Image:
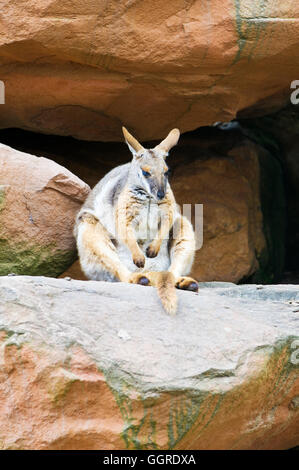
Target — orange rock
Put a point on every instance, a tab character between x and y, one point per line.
57	415
38	203
82	70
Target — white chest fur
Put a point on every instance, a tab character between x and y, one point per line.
146	223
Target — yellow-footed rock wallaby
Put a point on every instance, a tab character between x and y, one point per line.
130	229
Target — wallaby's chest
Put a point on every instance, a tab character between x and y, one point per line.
147	221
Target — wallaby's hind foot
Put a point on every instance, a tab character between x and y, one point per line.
139	278
186	283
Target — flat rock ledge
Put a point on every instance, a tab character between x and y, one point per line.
94	365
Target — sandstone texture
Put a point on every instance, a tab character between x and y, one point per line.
84	68
38	203
86	365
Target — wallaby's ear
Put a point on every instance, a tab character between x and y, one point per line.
133	143
170	141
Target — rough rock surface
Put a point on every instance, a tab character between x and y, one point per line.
38	203
89	365
83	68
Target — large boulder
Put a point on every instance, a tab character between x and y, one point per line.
82	68
91	365
38	203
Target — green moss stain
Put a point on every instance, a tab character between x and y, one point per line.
12	338
60	386
153	431
271	386
33	260
138	433
284	367
249	26
195	411
141	413
141	432
8	333
183	414
2	198
138	413
239	27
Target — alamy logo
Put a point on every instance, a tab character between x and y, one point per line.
2	92
295	94
295	354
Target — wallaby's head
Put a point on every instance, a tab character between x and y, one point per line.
148	168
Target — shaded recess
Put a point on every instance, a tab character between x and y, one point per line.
279	132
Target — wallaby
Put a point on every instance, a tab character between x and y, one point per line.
130	229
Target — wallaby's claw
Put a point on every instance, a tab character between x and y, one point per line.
140	261
151	252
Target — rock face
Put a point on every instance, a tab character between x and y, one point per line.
88	365
82	69
38	203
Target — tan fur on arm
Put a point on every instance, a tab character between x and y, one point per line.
126	211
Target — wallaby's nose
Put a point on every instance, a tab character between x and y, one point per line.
160	194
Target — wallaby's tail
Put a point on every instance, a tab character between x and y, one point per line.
165	284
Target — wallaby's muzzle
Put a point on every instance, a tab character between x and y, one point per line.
160	194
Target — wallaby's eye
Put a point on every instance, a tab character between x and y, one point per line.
146	173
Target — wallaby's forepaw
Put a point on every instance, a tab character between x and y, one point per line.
139	278
139	260
187	283
152	251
